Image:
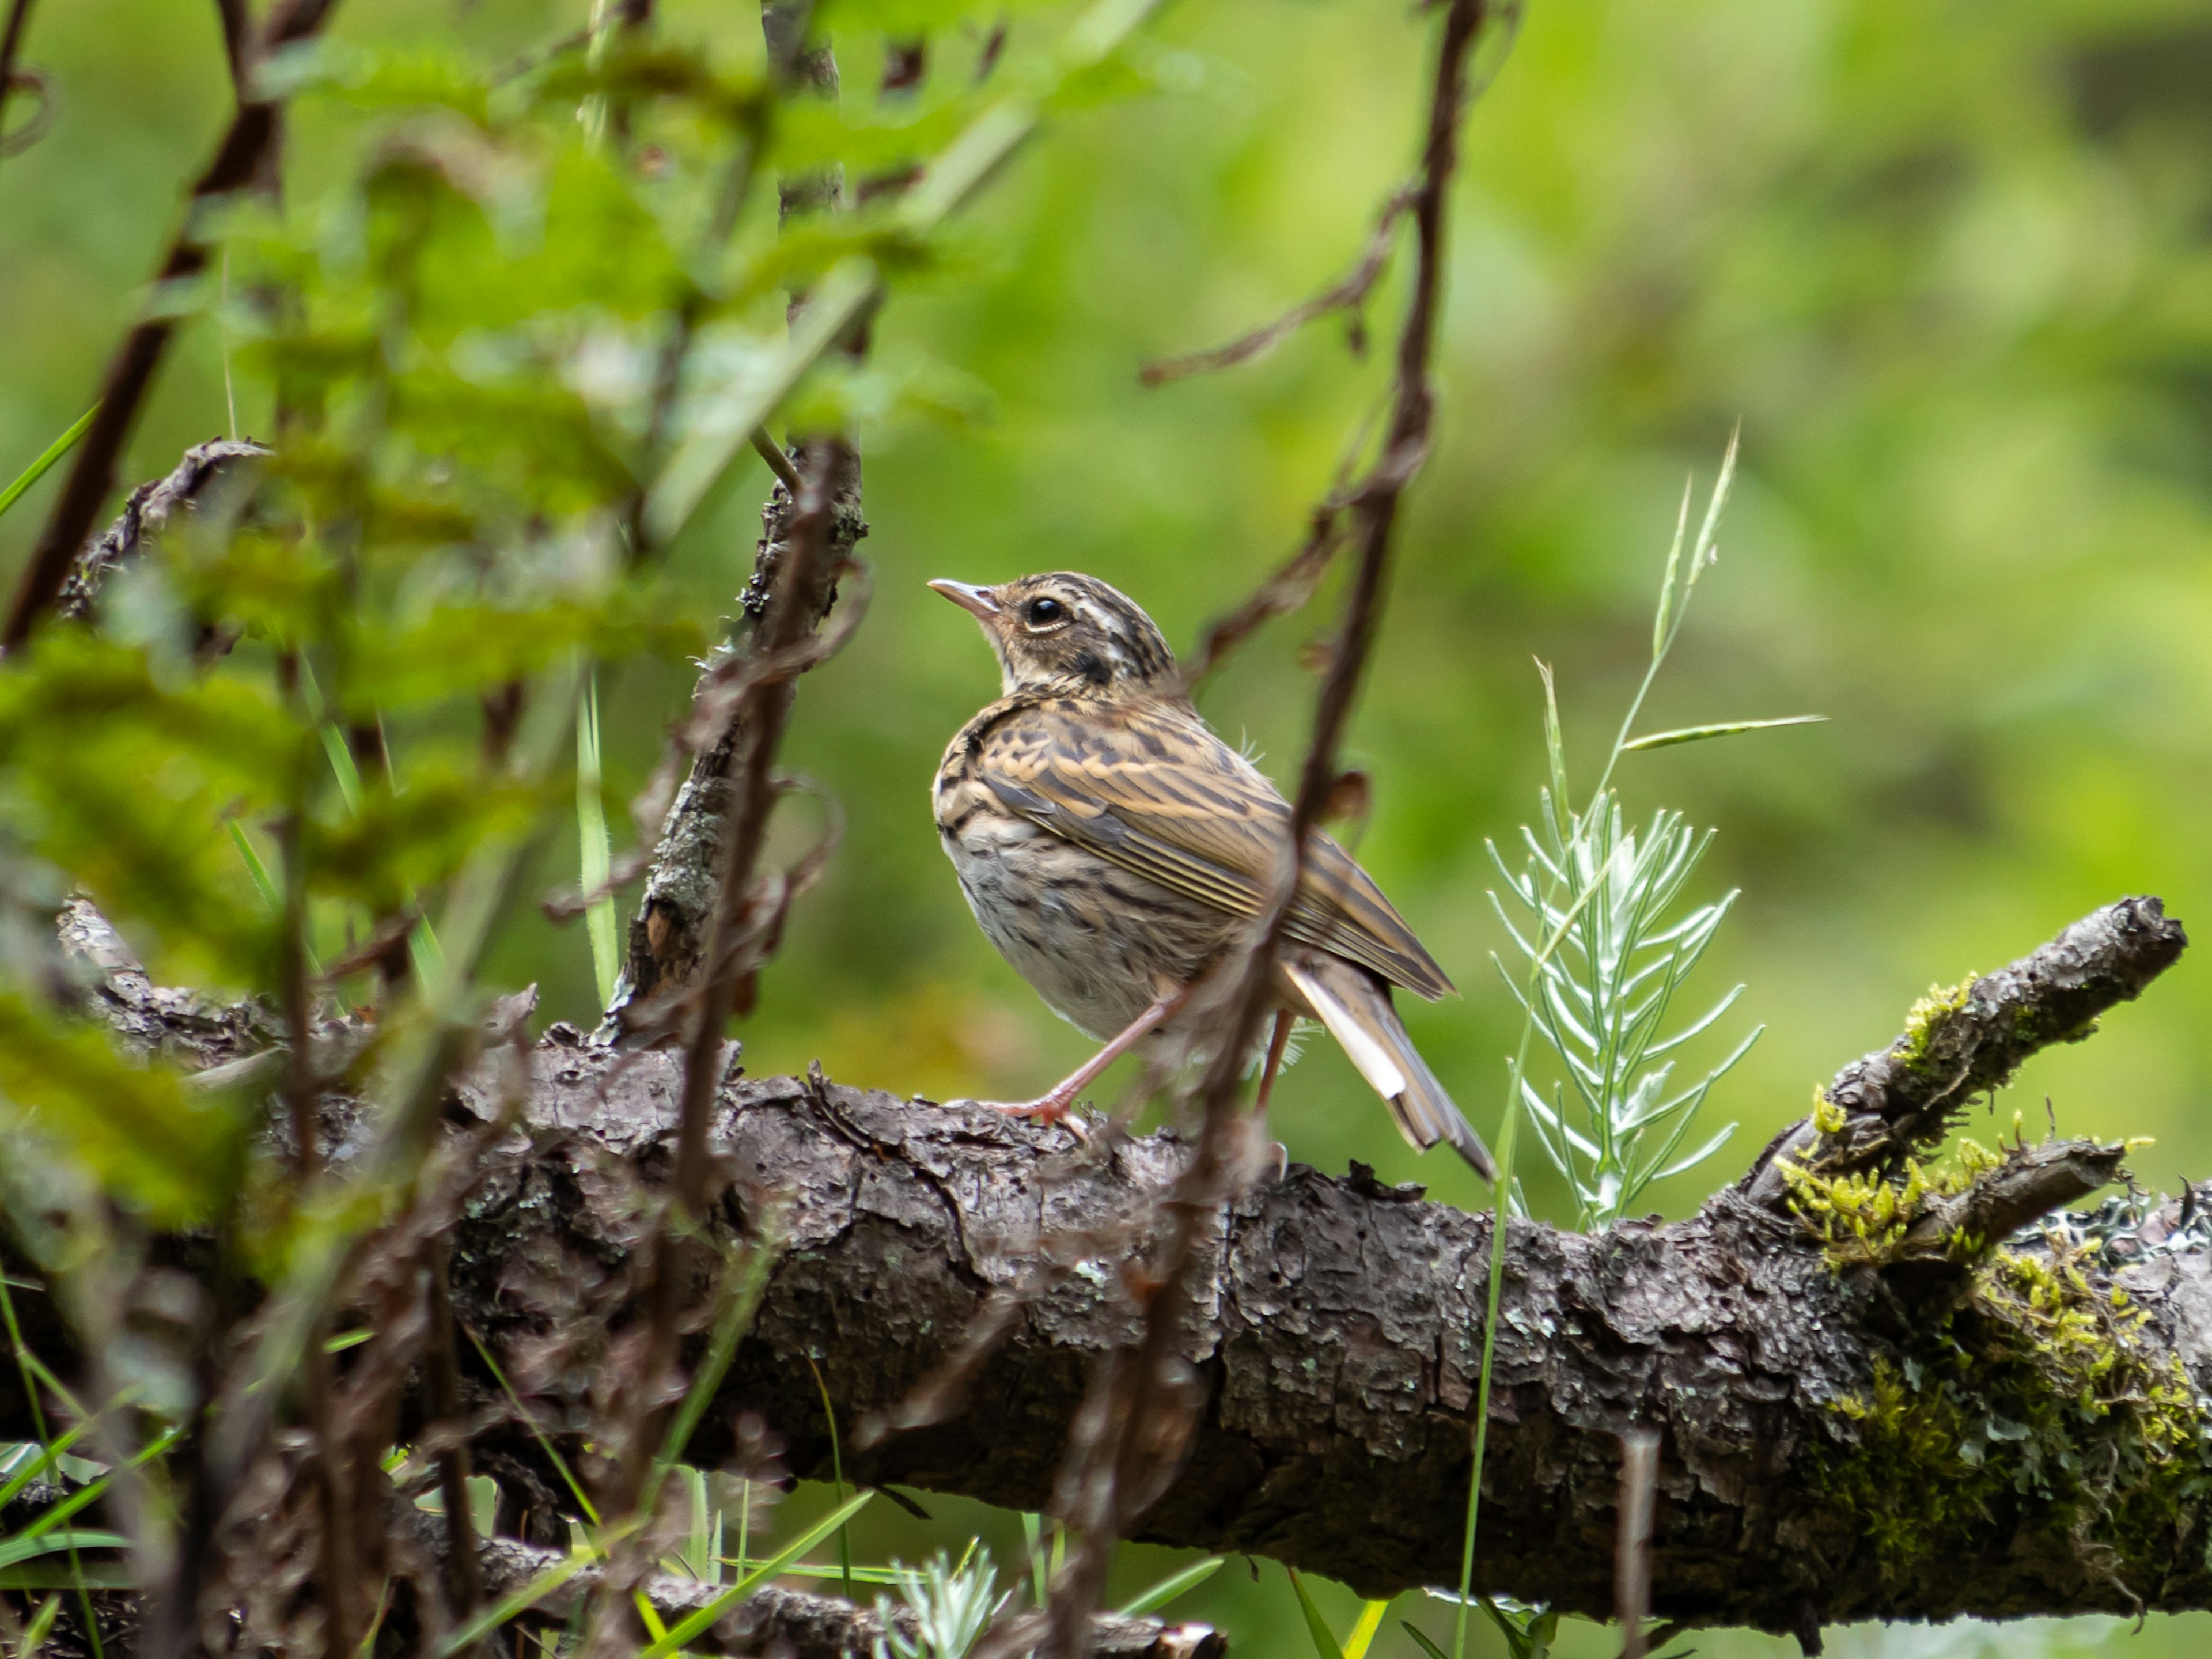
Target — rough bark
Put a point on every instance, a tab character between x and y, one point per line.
668	935
1872	1439
149	512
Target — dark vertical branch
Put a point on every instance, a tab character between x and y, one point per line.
303	1097
443	1374
11	46
1149	1400
237	31
247	149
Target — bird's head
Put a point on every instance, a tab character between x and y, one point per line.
1069	634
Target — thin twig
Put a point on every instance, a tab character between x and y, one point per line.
1349	293
442	1372
759	720
11	43
246	149
1149	1400
237	32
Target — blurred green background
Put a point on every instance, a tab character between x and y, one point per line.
1949	264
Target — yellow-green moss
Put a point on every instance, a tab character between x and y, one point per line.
1926	1019
2040	1404
1862	1219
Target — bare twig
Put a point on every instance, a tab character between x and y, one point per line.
237	32
1144	1405
463	1580
1349	294
246	149
11	43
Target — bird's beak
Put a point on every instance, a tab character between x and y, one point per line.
969	597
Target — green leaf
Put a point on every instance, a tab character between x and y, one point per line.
54	451
1421	1641
1175	1584
1727	729
704	1617
173	1154
1325	1645
13	1550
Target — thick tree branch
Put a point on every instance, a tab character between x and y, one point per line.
1834	1443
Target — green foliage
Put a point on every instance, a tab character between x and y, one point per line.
1604	957
952	1604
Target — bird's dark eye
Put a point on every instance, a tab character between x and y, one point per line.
1042	613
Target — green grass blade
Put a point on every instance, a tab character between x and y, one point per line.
13	1550
544	1442
1316	1626
595	846
58	1575
1725	729
517	1602
1033	1536
838	1470
1425	1645
1362	1633
1175	1584
38	468
262	880
704	1618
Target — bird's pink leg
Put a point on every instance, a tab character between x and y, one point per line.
1055	1104
1276	1045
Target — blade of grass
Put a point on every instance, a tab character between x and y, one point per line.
38	468
704	1618
745	1279
544	1442
595	848
838	1469
1316	1626
22	1548
27	1367
1168	1588
1726	729
1362	1633
1422	1642
520	1600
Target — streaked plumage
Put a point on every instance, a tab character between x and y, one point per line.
1110	845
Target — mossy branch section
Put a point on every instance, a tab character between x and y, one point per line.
1967	1041
1828	1453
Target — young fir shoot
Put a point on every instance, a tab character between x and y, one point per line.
1580	874
952	1604
1603	997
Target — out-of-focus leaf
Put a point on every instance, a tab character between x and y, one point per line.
171	1153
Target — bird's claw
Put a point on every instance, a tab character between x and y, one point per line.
1046	1108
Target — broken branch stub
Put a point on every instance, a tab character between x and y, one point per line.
1967	1042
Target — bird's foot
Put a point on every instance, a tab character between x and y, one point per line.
1045	1108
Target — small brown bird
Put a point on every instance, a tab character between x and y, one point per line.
1111	846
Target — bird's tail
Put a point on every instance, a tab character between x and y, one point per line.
1355	1005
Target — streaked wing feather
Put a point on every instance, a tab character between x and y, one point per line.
1152	789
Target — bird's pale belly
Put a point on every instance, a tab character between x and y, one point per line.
1098	943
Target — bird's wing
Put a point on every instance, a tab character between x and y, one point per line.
1150	788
